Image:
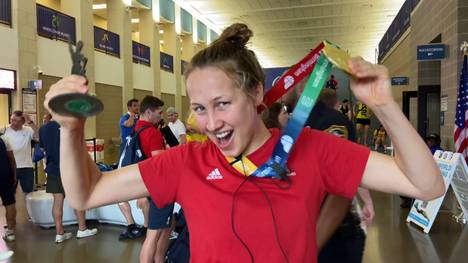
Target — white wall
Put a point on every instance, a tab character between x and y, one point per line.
168	83
53	57
143	77
9	48
108	69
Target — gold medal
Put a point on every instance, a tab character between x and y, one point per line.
337	56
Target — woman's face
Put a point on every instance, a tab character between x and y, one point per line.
283	116
226	114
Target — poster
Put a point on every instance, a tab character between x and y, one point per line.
29	101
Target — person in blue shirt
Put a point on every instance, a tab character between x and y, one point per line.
433	141
128	120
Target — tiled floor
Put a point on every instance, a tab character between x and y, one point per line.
390	240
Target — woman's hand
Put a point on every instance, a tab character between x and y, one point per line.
370	83
70	84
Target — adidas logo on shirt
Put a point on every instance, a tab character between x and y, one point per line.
214	175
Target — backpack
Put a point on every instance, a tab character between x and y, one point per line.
132	153
179	249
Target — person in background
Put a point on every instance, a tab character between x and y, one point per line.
7	187
159	219
49	140
380	138
128	120
362	114
339	222
276	116
193	132
331	83
46	118
20	138
433	142
344	108
177	127
127	123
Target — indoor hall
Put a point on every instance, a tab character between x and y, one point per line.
140	48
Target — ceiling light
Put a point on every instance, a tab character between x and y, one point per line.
161	31
135	20
161	42
99	6
127	2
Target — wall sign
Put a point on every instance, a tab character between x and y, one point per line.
431	52
55	25
141	54
106	41
167	62
397	81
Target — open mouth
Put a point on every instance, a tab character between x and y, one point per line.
223	138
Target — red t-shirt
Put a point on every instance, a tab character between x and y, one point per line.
198	177
151	138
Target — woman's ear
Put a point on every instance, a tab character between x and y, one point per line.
259	95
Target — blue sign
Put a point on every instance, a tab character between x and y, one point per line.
271	76
167	62
396	81
141	54
5	12
183	66
431	52
107	42
55	25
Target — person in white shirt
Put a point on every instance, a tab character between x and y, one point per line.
20	138
176	126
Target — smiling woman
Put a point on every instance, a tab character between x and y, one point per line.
232	216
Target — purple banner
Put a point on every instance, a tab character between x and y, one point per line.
55	25
5	12
399	25
271	76
141	54
106	41
167	62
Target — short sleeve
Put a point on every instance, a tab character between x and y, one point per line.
7	143
155	141
161	175
181	129
341	163
123	119
30	133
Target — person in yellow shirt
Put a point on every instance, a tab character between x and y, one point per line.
193	132
380	138
362	113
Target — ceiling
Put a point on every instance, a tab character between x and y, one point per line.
285	30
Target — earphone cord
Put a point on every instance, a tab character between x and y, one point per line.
239	158
233	227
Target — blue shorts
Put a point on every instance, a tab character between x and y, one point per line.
159	218
26	179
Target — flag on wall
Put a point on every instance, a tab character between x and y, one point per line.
461	115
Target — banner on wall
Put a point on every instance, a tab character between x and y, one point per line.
30	104
396	29
106	42
5	12
455	173
141	54
55	25
272	75
167	62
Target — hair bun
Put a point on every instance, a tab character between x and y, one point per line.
238	34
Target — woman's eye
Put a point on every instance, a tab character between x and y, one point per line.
223	104
198	109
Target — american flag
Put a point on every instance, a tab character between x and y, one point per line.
461	116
